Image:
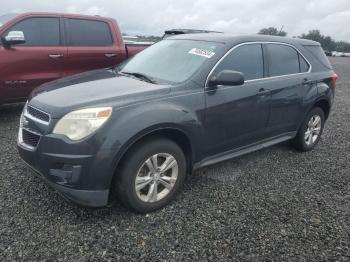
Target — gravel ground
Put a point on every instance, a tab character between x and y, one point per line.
275	204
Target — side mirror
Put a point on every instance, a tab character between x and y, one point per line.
14	38
227	78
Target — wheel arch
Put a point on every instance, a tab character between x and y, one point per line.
325	105
175	134
323	102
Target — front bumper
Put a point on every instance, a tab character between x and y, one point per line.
61	176
58	179
82	172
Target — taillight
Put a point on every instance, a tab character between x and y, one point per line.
334	80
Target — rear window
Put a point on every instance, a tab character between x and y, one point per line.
318	54
84	32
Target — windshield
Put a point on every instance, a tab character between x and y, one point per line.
5	18
171	61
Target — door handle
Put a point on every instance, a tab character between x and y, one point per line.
307	81
263	92
55	56
110	55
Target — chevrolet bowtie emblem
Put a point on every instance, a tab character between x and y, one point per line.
25	122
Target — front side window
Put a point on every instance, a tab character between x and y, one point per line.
283	60
39	31
84	32
247	59
171	61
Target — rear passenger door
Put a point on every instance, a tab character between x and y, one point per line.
90	45
287	72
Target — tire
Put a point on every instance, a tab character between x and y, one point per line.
305	143
137	167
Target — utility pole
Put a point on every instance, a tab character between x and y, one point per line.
281	30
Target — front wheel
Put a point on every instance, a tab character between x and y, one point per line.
310	131
151	175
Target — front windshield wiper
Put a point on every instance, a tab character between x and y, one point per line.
140	75
114	69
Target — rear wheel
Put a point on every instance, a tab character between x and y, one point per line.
310	131
151	175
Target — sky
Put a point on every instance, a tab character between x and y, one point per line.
153	17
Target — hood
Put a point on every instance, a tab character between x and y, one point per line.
92	89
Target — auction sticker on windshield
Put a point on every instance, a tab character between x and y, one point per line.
201	52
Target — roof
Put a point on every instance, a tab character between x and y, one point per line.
70	15
188	31
233	39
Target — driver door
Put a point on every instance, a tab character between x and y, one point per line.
26	66
237	116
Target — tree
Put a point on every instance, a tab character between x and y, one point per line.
272	31
329	43
314	35
342	46
326	42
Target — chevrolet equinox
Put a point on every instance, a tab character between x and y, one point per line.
184	103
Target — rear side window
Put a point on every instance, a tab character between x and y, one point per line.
304	66
84	32
39	31
283	60
247	59
318	54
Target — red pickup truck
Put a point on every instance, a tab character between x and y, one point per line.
40	47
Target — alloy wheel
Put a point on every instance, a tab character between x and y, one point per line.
313	130
156	177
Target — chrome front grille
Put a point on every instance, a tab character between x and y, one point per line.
27	137
30	138
37	115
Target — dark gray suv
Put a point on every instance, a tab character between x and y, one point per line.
184	103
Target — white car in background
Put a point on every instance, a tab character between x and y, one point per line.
340	54
337	54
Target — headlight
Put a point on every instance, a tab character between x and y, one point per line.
82	123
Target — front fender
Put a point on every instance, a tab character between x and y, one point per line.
131	123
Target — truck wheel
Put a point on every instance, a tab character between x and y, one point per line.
151	175
310	131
